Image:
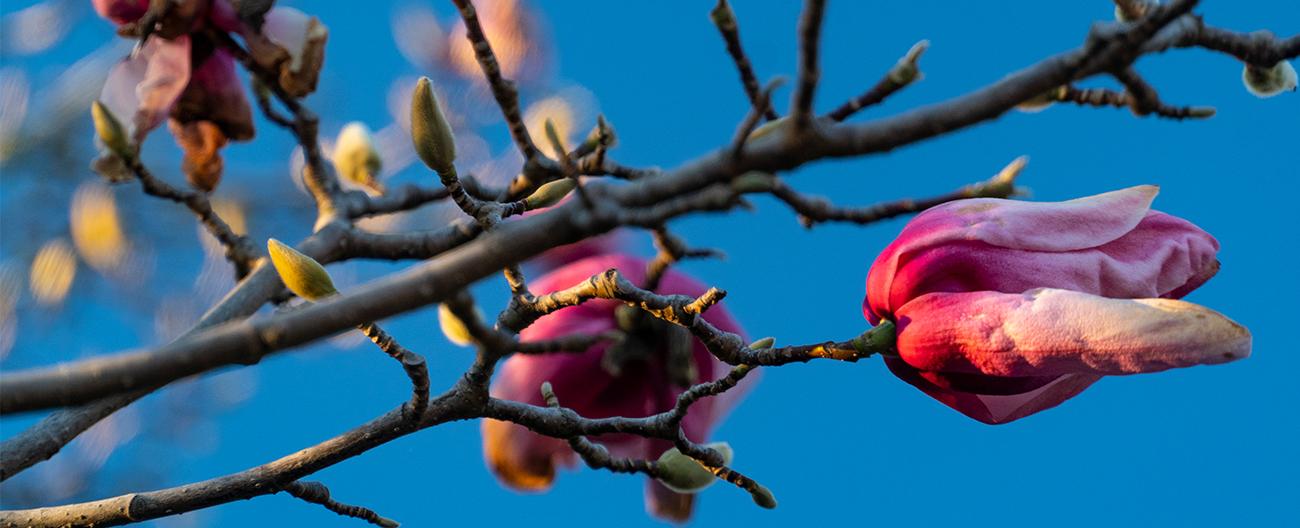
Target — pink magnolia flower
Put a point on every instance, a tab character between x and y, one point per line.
643	386
180	73
1006	308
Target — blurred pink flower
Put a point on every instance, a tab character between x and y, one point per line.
644	386
516	36
179	72
1005	308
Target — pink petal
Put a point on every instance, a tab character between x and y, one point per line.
1049	332
222	15
580	382
216	94
995	409
121	11
1040	226
523	460
141	89
1160	256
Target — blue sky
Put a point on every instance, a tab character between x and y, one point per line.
847	443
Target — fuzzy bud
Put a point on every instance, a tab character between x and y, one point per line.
550	194
906	71
110	131
430	131
765	342
684	474
300	273
1041	101
763	496
453	328
1267	82
767	128
355	156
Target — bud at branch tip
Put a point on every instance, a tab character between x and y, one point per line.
300	273
430	132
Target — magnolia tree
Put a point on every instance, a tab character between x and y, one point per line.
997	308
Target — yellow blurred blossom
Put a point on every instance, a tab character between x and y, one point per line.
96	229
52	272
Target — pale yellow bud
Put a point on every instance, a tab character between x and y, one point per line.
906	70
453	327
684	474
767	128
110	131
1041	101
430	131
550	194
300	273
1270	81
355	156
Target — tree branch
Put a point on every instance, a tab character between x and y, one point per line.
810	30
813	210
317	493
725	20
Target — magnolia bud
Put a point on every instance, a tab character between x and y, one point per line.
1267	82
430	131
763	496
110	131
767	128
553	136
550	194
1131	10
300	273
906	70
765	342
1041	101
753	182
684	474
453	327
355	156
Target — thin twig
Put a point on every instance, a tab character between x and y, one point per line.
414	365
317	493
810	28
813	210
725	20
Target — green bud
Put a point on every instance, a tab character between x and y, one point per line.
684	474
1265	82
1132	10
110	131
430	132
765	342
550	194
1001	185
767	128
753	182
763	496
553	136
1041	101
723	16
906	71
601	135
300	273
